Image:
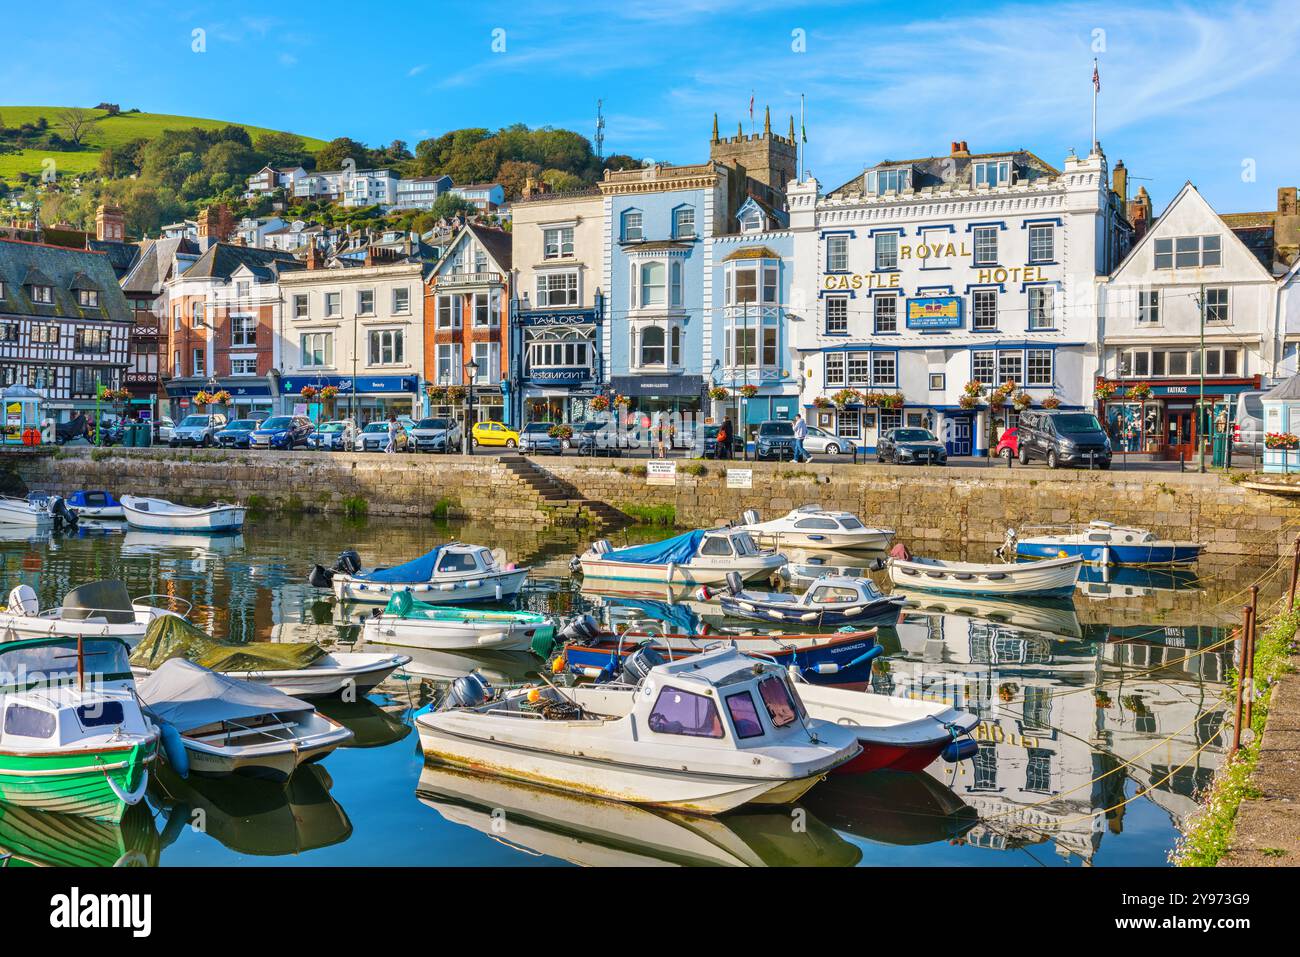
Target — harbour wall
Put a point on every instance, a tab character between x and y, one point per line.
955	507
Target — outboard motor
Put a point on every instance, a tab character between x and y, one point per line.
467	691
1007	550
349	562
320	577
637	665
583	630
23	601
64	517
735	584
749	517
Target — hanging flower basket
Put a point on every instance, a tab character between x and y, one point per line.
1052	402
203	397
1101	699
1007	691
309	392
329	393
1281	441
622	401
561	431
1022	401
998	397
748	391
974	389
719	394
821	402
846	396
891	400
1104	390
437	393
117	395
456	394
599	403
220	397
1139	391
968	401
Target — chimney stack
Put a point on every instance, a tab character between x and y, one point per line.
110	224
1119	183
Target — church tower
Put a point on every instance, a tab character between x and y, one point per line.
766	161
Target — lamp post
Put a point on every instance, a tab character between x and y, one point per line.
1200	405
467	438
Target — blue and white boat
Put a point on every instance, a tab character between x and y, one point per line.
160	515
95	504
450	573
831	600
696	558
1107	544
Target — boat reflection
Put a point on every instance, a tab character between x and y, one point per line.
598	833
891	807
1131	581
1055	617
806	565
371	724
30	838
261	818
136	544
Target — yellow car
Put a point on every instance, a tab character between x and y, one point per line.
494	433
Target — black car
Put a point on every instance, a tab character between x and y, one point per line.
599	437
774	440
236	434
910	446
1063	438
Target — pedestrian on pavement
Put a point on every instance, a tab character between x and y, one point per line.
800	433
724	439
393	428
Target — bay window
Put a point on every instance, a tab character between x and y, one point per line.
834	369
753	281
653	284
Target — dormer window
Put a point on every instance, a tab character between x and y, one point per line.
893	180
751	221
991	173
88	298
44	295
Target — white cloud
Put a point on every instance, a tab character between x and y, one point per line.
417	70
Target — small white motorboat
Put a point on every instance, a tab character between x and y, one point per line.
704	734
1104	543
295	668
815	527
160	515
1052	577
102	608
696	558
26	512
832	600
414	624
95	504
450	573
230	726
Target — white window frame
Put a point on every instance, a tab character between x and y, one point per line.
837	319
381	340
308	347
837	253
1042	307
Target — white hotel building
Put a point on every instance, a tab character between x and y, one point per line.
918	276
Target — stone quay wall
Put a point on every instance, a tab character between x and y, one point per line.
954	507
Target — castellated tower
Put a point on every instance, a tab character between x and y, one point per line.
766	161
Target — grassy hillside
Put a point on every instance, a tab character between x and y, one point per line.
109	131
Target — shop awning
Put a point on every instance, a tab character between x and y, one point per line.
678	385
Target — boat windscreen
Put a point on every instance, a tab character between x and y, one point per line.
24	665
107	599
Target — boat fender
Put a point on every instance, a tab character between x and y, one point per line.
320	577
960	750
173	746
672	566
831	667
705	593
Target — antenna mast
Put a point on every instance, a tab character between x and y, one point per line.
600	131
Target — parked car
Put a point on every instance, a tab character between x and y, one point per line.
198	429
536	437
374	438
286	432
710	448
600	437
824	443
910	446
774	440
494	434
162	429
1008	446
436	435
1062	438
236	434
339	434
1248	424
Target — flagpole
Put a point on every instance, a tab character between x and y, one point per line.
802	137
1095	85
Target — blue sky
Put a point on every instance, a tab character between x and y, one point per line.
1187	92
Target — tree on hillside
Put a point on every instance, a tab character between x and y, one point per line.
284	149
619	161
560	181
332	154
449	204
512	175
78	123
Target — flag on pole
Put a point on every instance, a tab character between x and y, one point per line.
751	105
1096	77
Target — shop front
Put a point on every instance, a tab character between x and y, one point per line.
559	361
247	399
679	397
364	399
1162	419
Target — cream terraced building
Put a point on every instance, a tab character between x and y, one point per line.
919	276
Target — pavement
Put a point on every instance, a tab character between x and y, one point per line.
1267	832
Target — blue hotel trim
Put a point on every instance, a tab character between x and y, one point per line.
1025	224
895	230
999	223
922	230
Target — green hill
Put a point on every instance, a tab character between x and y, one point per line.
109	131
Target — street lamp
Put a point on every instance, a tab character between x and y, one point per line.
467	438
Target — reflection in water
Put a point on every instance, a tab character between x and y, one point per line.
600	833
1066	694
254	817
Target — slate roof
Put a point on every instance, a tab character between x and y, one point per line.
222	259
497	242
154	265
122	255
22	263
931	171
1286	391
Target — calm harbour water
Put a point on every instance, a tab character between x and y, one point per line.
1066	695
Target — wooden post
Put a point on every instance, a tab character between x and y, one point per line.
1295	572
1250	653
1241	662
81	665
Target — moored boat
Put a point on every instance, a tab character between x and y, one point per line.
160	515
70	744
1051	577
415	624
685	743
1104	543
28	513
695	558
450	573
815	527
832	600
102	608
95	504
228	726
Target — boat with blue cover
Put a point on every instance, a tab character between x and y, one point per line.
695	558
450	573
1104	543
95	504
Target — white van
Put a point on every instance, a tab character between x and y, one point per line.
1248	424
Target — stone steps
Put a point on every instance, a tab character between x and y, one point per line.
561	500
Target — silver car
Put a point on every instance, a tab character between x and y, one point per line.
821	442
436	435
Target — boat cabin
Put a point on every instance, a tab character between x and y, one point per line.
728	544
814	518
1107	533
834	591
52	662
